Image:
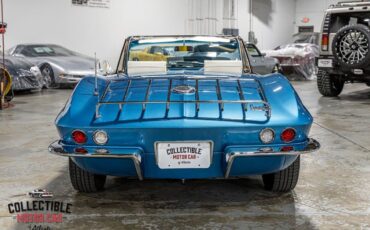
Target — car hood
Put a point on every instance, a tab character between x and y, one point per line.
17	62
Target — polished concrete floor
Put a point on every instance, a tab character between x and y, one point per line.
333	191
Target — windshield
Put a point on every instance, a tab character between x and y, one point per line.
312	38
45	51
339	20
188	53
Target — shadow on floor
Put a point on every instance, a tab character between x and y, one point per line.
132	204
361	97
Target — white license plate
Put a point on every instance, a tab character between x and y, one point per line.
326	63
181	155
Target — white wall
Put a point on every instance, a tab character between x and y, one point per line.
273	21
312	9
86	29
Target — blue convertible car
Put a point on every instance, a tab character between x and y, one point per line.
191	109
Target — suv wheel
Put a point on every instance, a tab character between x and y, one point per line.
85	181
351	46
284	180
328	84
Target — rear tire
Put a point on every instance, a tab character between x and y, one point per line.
284	180
85	181
328	85
9	97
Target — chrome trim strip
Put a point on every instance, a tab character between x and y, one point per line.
57	149
312	146
288	65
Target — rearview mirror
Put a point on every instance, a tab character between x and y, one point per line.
263	54
184	48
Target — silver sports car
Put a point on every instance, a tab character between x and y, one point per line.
58	65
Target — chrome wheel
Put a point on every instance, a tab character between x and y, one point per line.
353	47
47	77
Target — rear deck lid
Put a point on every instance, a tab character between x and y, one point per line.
211	98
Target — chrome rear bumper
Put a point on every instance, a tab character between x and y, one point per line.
312	146
56	148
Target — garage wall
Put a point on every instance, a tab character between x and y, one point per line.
86	29
273	21
312	10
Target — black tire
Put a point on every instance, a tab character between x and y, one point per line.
350	40
85	181
9	97
284	180
48	78
329	85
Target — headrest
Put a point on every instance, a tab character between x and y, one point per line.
220	66
139	67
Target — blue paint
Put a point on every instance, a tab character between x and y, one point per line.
132	131
231	133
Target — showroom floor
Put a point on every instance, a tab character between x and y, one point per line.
333	190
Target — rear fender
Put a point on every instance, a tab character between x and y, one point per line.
79	110
286	105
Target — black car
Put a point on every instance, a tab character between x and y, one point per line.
25	75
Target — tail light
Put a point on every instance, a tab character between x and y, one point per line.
81	150
267	136
288	135
325	42
100	137
79	137
287	149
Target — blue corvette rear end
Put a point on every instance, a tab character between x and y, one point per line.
184	125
